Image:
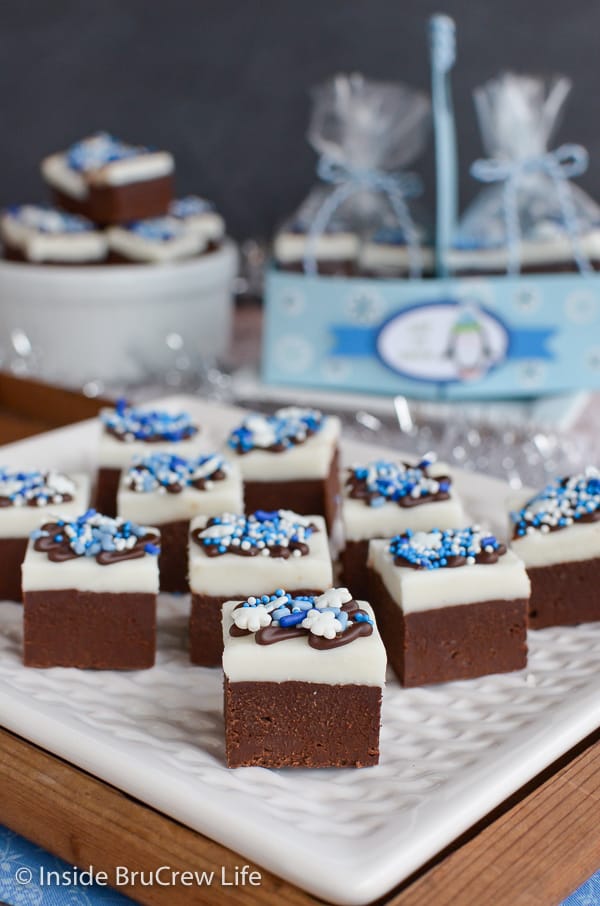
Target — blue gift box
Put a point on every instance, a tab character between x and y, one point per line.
443	337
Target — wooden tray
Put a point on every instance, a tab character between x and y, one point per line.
534	850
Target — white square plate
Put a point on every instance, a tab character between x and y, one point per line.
449	754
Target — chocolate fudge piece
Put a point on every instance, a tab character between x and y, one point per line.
159	240
28	498
385	498
312	702
450	604
557	535
266	550
129	431
542	254
109	181
289	460
89	594
43	235
200	217
386	254
335	251
167	491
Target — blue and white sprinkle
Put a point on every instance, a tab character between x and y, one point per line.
288	426
261	531
387	481
93	534
49	220
560	504
35	488
437	549
190	206
157	229
131	423
161	471
321	615
98	150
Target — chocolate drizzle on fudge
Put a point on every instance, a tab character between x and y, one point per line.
277	433
34	489
278	534
446	549
93	535
327	621
382	482
127	424
564	502
171	474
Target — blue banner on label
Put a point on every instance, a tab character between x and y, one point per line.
442	342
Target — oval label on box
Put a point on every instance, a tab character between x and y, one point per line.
443	342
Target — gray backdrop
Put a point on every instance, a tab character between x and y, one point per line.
224	83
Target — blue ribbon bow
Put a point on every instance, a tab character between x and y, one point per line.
348	180
560	165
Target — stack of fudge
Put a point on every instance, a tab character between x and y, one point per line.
113	203
246	530
340	252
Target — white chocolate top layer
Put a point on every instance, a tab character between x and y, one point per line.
364	522
361	662
291	248
379	256
20	521
533	252
158	507
310	459
184	243
580	541
37	245
234	575
416	590
85	574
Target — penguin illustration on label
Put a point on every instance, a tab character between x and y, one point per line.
468	345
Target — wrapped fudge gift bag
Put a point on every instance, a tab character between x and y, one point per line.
366	133
530	217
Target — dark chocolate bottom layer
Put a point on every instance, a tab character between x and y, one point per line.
12	554
451	643
173	557
100	630
301	725
559	267
564	594
107	205
206	625
107	486
355	574
308	496
330	268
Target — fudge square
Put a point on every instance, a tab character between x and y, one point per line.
290	459
130	431
167	491
110	182
42	235
26	500
89	594
450	604
314	701
270	550
557	535
383	499
158	240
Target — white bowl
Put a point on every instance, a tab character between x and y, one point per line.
110	322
